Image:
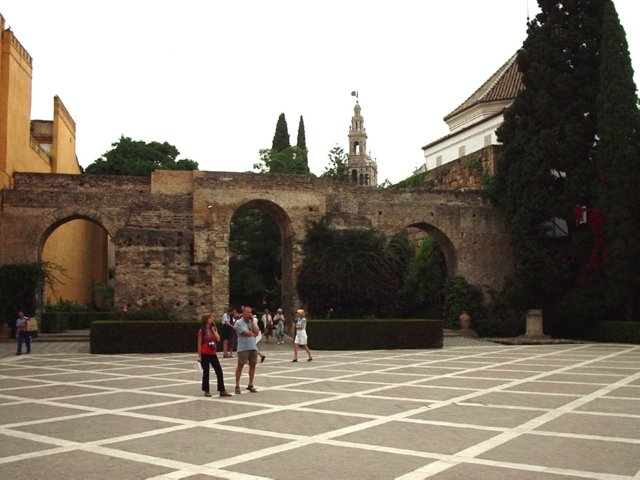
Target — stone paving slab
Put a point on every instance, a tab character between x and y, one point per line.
471	410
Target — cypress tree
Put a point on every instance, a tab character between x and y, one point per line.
572	139
302	142
617	250
281	136
547	165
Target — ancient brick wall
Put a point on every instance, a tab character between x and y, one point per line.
171	232
465	173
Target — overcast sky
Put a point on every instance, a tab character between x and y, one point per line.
212	77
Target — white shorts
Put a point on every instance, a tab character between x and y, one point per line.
301	338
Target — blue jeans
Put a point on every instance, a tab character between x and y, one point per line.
26	337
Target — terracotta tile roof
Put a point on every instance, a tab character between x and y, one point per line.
502	85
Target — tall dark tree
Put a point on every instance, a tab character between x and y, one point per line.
548	165
139	158
618	162
281	136
302	141
282	157
571	145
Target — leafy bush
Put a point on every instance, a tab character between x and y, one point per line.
460	296
350	270
617	332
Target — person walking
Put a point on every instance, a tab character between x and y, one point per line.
208	337
22	334
267	319
246	330
301	336
278	323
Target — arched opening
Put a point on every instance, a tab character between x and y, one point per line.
81	254
356	148
260	257
433	261
354	176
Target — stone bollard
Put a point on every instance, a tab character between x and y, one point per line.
535	324
465	325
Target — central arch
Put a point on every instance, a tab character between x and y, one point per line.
284	225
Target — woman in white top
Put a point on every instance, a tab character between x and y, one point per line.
301	336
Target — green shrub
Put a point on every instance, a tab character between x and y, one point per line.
460	296
366	334
615	332
139	336
54	322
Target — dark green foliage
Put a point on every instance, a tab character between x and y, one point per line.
616	332
424	279
414	181
139	158
255	265
504	317
281	136
54	322
618	162
571	138
337	168
282	157
302	141
361	334
109	337
460	296
19	284
349	270
290	160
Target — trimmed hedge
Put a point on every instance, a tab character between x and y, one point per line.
54	322
139	336
378	334
614	332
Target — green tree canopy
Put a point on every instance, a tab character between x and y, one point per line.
350	270
425	277
290	160
337	168
281	136
139	158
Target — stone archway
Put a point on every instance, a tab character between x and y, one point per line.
443	241
80	253
219	237
283	224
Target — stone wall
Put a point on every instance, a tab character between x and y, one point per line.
465	173
171	232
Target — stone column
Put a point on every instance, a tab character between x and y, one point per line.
535	324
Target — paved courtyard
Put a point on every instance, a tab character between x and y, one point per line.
470	410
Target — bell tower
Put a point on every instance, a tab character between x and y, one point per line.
363	171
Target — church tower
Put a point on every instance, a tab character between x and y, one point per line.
362	169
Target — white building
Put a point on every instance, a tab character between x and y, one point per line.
473	124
